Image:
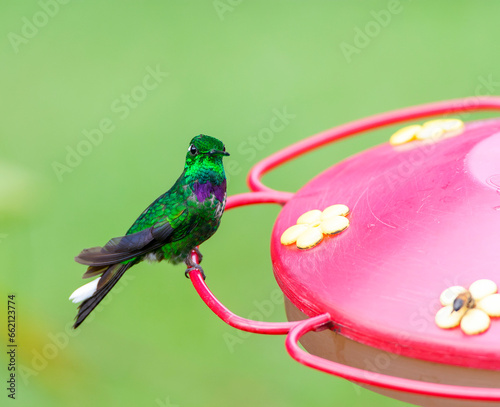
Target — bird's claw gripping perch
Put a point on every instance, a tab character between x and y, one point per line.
193	262
200	256
192	268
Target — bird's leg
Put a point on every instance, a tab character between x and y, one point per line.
193	266
200	256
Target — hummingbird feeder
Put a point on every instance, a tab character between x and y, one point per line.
389	260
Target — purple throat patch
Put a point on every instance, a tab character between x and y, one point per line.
203	191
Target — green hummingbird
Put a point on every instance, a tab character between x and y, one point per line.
169	229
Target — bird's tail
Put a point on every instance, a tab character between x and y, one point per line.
93	292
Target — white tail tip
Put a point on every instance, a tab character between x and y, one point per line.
85	291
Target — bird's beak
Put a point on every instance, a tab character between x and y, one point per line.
219	152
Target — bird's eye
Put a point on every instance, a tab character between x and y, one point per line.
193	150
224	149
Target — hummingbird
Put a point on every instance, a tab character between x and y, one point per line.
169	229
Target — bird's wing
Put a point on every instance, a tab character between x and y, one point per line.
168	229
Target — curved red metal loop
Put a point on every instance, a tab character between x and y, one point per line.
377	379
251	198
269	328
359	126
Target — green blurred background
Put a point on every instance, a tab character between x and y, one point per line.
224	68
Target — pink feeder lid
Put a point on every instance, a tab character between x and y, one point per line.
424	217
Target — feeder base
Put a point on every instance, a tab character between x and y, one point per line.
333	346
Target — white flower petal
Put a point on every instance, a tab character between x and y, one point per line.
430	132
446	318
475	321
310	237
448	296
335	210
290	235
310	217
491	305
405	134
334	225
481	288
85	291
452	127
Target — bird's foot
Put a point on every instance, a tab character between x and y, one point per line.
200	256
195	267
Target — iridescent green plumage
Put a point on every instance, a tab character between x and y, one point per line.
170	228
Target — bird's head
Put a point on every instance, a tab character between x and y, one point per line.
205	152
